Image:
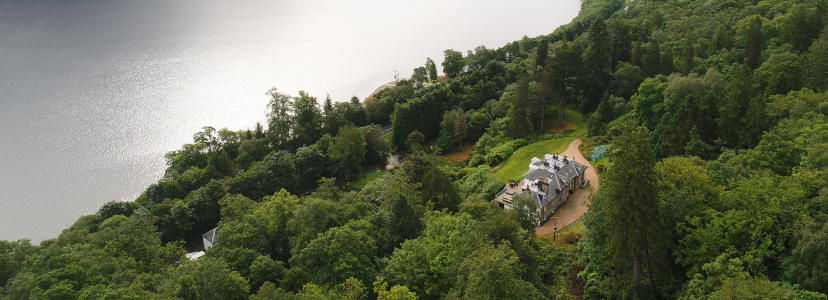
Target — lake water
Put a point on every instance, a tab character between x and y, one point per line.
94	92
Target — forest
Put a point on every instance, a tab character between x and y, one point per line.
705	119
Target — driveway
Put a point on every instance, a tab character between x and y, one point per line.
574	209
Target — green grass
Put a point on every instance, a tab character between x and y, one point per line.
518	163
578	227
364	179
572	119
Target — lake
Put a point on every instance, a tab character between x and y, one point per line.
94	92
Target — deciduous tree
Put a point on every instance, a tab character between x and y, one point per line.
453	63
349	150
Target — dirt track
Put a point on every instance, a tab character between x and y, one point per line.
576	206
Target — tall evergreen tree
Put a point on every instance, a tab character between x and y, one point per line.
541	52
432	69
666	66
733	110
816	66
652	60
631	218
721	39
330	119
656	20
461	129
753	42
636	54
620	40
598	54
565	67
544	91
798	27
754	122
675	134
687	55
520	106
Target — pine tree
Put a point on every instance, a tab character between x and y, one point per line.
598	54
259	130
753	42
734	108
636	54
652	60
657	20
685	119
620	40
816	66
520	107
754	122
721	39
542	52
631	220
797	27
544	91
687	55
461	129
697	147
432	69
330	119
666	67
565	67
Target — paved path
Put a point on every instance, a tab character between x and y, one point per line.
574	208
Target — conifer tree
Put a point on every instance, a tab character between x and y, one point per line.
620	40
753	42
636	54
461	129
687	55
652	60
598	54
520	107
816	66
542	52
631	219
734	108
565	67
432	69
721	39
666	66
330	119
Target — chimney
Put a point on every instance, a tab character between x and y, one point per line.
543	184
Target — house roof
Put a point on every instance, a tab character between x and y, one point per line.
210	236
557	170
536	174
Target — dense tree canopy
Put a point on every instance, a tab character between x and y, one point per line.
713	114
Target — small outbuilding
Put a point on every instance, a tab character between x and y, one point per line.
209	238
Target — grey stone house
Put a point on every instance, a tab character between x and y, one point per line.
549	182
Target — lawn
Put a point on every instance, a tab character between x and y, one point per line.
573	120
518	163
363	179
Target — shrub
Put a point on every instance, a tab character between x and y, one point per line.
503	151
599	152
601	167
